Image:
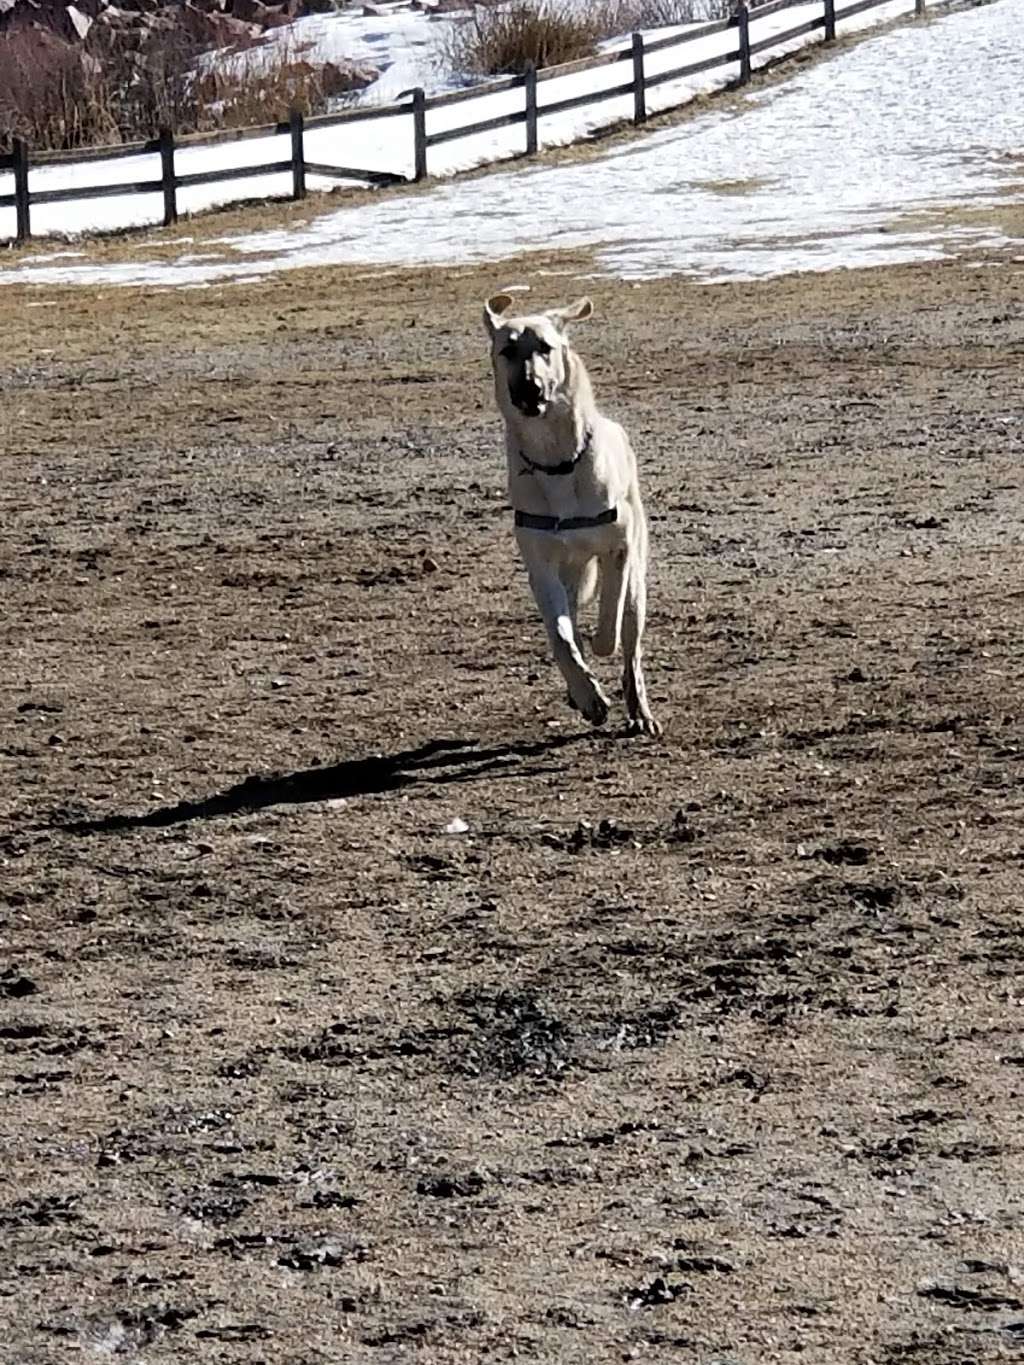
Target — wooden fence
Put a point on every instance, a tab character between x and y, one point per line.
21	160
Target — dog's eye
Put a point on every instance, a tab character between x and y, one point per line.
543	348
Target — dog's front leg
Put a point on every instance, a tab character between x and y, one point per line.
553	600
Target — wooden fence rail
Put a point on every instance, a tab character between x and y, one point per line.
531	83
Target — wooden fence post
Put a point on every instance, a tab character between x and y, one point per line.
530	84
743	26
167	176
21	199
295	124
419	133
919	9
830	21
639	80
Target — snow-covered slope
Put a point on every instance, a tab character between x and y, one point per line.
884	153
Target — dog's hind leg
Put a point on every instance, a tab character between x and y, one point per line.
605	639
590	577
633	619
572	576
576	592
555	607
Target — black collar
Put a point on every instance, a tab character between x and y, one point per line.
532	521
565	466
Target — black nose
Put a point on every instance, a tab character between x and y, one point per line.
527	392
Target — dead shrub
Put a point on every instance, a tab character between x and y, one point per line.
502	41
51	95
629	15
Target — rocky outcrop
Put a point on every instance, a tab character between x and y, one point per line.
201	24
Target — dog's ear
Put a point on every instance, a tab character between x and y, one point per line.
575	312
494	308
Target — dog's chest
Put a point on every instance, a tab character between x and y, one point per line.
563	499
558	495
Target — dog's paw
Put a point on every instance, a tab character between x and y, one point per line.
644	725
593	706
597	709
603	645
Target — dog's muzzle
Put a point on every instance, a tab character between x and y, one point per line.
527	396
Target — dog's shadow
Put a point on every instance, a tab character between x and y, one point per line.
438	762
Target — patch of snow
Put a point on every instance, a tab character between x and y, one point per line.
406	47
53	256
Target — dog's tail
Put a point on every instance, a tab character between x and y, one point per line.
589	581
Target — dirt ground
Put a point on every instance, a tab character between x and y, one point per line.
705	1049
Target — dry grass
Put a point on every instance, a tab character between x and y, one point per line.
730	188
261	88
637	14
49	95
60	98
504	40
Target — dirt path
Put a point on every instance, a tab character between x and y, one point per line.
704	1050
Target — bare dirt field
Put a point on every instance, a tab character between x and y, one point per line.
704	1050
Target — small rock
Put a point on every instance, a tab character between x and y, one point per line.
456	826
312	1254
451	1187
15	986
682	832
659	1291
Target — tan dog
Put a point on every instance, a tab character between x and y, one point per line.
572	481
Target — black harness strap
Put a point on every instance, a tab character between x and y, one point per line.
564	467
531	521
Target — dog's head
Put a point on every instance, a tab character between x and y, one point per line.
531	355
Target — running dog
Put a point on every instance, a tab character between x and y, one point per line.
572	482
